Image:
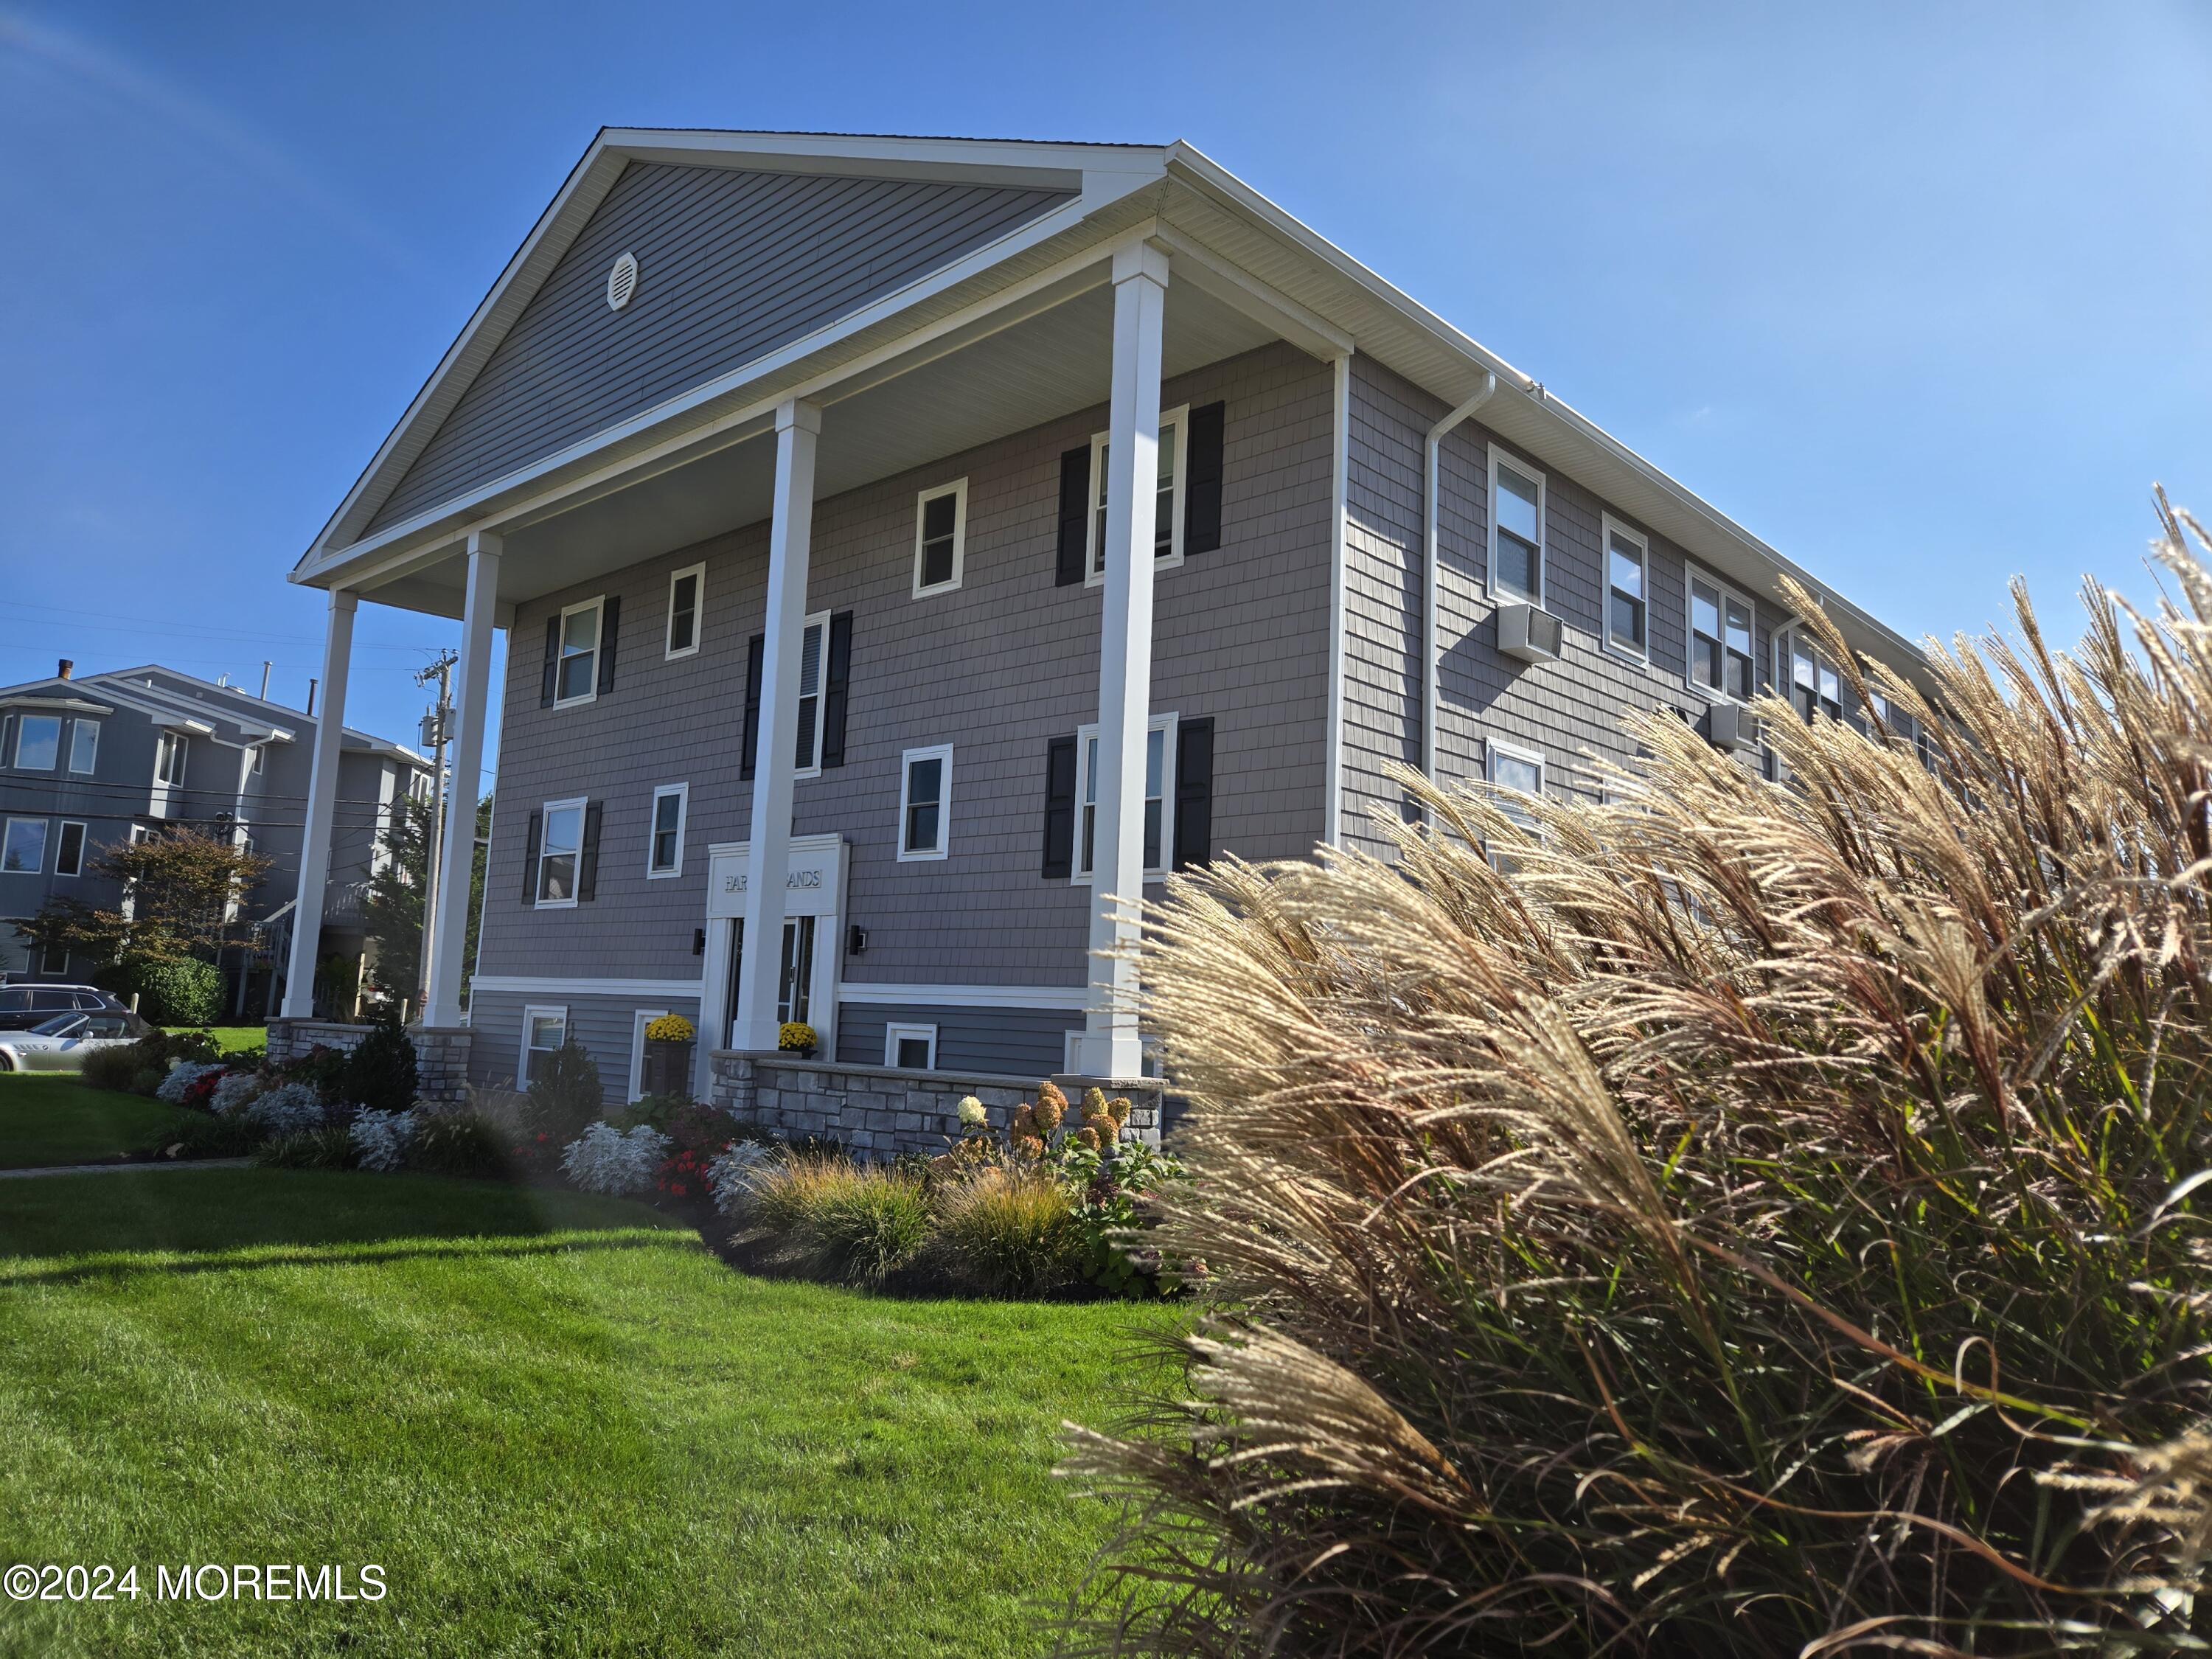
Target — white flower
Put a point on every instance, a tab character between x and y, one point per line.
604	1160
731	1176
972	1115
181	1077
380	1139
234	1091
290	1108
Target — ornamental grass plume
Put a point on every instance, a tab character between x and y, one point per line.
1732	1219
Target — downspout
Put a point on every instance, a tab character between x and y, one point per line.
1432	581
1339	512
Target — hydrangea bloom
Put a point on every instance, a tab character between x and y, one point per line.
234	1090
288	1109
181	1077
380	1139
730	1176
972	1115
605	1159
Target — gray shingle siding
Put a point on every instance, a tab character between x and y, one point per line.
734	264
997	668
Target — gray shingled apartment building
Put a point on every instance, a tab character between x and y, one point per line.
955	535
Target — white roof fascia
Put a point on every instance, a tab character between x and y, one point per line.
55	705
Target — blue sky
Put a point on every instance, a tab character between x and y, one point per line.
1916	293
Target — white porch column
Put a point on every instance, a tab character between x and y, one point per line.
449	939
322	802
798	425
1110	1046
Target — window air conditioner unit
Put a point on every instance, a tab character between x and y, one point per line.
1731	725
1530	634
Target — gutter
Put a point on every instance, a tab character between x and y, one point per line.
1433	577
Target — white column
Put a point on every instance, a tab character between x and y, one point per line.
790	531
322	802
449	939
1110	1046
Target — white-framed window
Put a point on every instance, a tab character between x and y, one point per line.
54	959
1724	658
23	846
1628	588
69	851
169	751
1806	676
84	749
38	742
687	598
1517	529
910	1048
925	803
544	1032
813	667
940	537
1514	771
576	664
1167	499
664	854
560	851
1159	797
639	1021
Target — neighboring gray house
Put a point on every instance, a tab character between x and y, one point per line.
960	483
87	762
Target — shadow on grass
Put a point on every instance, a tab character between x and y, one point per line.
123	1264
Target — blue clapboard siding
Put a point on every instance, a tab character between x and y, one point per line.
1000	1041
732	264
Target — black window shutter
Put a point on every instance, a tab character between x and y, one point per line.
530	857
754	652
1060	808
1201	509
837	676
587	861
1074	514
1194	822
610	624
552	658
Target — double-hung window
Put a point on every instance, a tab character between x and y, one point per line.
1159	797
544	1032
1167	497
940	537
687	591
1516	530
1627	580
1722	661
169	758
23	846
560	850
925	803
84	749
813	652
576	663
1808	679
38	742
1514	772
665	855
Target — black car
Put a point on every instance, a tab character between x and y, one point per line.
22	1006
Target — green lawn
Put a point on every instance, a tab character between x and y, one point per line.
558	1424
229	1039
52	1118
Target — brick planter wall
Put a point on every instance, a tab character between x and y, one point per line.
442	1052
877	1112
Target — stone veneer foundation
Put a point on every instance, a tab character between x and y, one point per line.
442	1052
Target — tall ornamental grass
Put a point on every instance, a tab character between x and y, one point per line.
1732	1219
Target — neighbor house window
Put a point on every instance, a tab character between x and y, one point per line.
1809	680
1516	530
1159	796
69	851
23	846
1721	652
576	672
925	802
38	742
910	1048
813	648
686	588
54	959
260	758
559	851
544	1032
169	758
1167	519
84	749
940	537
665	855
1628	574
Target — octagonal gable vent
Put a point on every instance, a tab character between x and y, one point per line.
622	282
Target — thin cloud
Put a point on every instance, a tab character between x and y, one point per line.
199	122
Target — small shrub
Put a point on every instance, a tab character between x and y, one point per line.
233	1091
457	1143
180	992
183	1077
205	1135
730	1176
566	1095
655	1111
326	1148
380	1074
381	1139
619	1162
836	1220
322	1068
120	1067
290	1108
1008	1232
